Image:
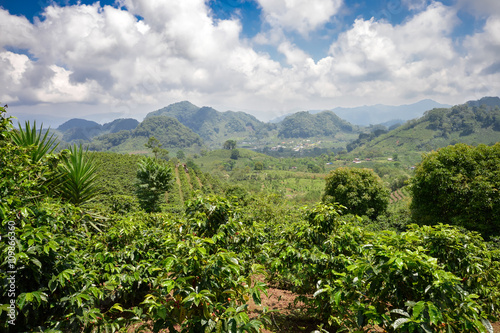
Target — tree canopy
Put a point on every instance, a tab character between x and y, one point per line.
360	190
459	185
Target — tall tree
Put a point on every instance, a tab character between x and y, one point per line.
156	146
230	144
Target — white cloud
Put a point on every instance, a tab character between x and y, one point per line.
303	16
107	58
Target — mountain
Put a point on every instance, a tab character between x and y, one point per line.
79	130
169	132
214	126
473	122
378	114
121	124
85	130
305	125
486	101
78	123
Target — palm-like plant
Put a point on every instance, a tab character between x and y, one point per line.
77	176
30	136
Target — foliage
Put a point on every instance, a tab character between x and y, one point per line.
211	125
411	282
29	136
306	125
155	146
230	144
235	154
360	190
169	132
195	268
153	180
471	123
459	185
77	176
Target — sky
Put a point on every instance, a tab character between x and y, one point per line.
114	59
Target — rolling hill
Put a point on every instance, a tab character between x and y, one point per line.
472	123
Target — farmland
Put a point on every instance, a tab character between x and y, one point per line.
229	240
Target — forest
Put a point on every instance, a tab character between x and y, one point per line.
110	242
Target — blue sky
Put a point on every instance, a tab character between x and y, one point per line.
110	59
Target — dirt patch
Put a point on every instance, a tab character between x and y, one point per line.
286	315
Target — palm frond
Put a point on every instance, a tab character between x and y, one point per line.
78	176
30	136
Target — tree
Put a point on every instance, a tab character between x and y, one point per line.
235	154
154	178
230	144
459	185
180	155
360	190
155	145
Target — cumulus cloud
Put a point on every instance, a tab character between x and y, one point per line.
106	57
302	16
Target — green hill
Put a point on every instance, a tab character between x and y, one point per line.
471	123
214	126
121	124
169	131
85	130
307	125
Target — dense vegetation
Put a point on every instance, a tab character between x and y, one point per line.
306	125
470	123
459	185
220	239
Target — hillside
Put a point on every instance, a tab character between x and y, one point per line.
471	123
169	131
307	125
85	130
214	126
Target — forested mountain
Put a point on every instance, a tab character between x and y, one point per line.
307	125
85	130
213	125
121	124
472	123
169	132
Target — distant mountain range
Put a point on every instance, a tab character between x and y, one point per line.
85	130
380	114
212	125
184	125
472	123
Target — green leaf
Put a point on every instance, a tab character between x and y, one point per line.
401	312
417	309
399	322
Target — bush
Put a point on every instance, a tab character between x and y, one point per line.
459	185
360	190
